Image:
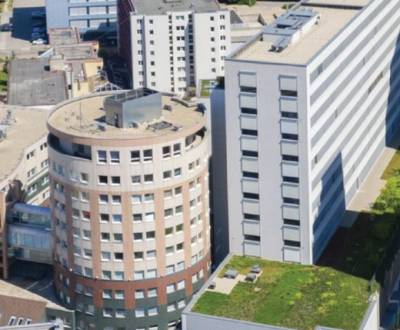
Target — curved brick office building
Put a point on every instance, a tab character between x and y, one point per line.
129	192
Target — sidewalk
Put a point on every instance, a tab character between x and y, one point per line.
370	188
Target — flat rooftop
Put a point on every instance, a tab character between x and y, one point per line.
334	16
63	36
159	7
23	128
11	290
32	84
85	118
287	295
262	10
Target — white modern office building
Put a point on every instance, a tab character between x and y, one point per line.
173	45
85	15
311	102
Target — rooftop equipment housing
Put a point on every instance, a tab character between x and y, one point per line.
133	108
289	27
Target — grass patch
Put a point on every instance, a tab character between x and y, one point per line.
290	295
3	80
206	87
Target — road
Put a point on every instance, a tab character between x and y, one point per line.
18	41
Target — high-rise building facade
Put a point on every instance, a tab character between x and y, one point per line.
311	102
172	46
86	16
129	194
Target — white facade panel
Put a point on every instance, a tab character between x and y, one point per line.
289	127
249	165
250	186
248	101
291	170
290	191
247	79
252	249
292	213
288	83
288	105
251	207
249	143
291	234
289	148
291	255
251	228
248	122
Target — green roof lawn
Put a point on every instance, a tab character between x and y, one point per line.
291	295
333	294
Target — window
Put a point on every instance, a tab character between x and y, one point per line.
138	275
252	238
106	275
149	197
147	155
105	256
117	218
151	293
120	313
84	178
290	158
105	236
115	180
148	178
249	153
135	179
149	216
137	217
151	254
291	243
169	231
178	191
288	93
178	171
103	179
151	235
166	151
246	89
251	196
248	111
116	199
137	236
179	228
252	175
118	256
170	288
101	156
118	237
103	199
293	137
135	156
168	193
139	312
249	132
104	217
167	175
169	250
139	294
287	200
107	312
152	311
168	213
136	199
107	294
253	217
177	149
114	157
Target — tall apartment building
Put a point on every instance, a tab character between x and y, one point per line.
173	45
129	187
311	102
85	15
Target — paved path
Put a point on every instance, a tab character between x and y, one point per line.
370	189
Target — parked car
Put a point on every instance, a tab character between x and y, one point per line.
7	27
38	41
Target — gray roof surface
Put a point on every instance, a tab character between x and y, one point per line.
30	84
157	7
